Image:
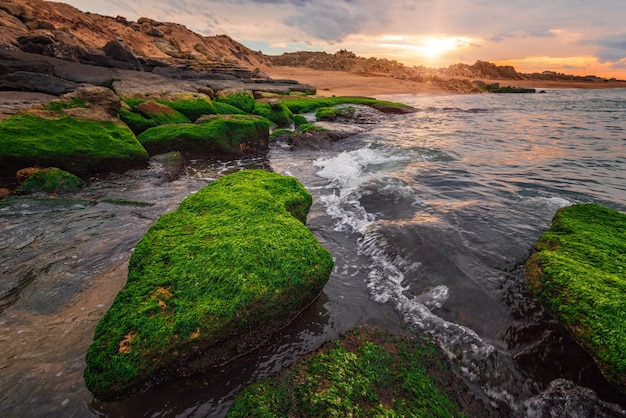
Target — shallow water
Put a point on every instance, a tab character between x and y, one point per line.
429	217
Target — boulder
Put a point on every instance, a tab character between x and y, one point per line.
80	146
578	274
120	52
50	180
209	282
240	98
160	113
36	82
216	136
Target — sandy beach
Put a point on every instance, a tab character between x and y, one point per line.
342	83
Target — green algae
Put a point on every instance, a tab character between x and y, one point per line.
192	108
241	99
161	114
50	180
218	135
136	121
365	373
579	273
299	120
311	104
208	281
227	109
276	113
80	146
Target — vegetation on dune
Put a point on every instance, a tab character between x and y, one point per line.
50	180
365	373
579	274
208	281
215	136
80	146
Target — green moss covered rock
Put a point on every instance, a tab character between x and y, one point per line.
239	98
80	146
226	109
579	273
209	281
160	113
275	112
365	373
230	136
311	104
192	105
136	121
50	180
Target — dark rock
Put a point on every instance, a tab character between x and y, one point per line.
122	53
44	83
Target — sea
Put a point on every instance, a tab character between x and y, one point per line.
429	216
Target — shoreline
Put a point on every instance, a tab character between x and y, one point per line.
343	83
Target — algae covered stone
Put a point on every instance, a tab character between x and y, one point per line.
579	273
209	281
211	137
50	180
365	373
80	146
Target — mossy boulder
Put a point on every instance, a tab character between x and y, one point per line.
209	281
160	113
192	105
239	98
80	146
311	104
227	109
50	180
365	373
217	136
579	273
276	112
136	121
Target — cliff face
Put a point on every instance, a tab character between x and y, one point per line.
62	31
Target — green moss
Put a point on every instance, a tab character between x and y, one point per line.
363	374
230	135
58	105
327	113
191	108
579	274
80	146
241	99
311	104
161	114
306	127
299	120
276	113
136	121
280	135
133	102
226	109
50	180
232	262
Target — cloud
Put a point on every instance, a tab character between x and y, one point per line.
612	47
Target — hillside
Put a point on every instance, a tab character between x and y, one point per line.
62	31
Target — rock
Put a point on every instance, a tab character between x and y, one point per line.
216	136
99	99
50	180
119	52
161	114
23	174
173	164
36	82
208	282
80	146
240	98
577	273
4	192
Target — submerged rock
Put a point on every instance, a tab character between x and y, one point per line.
579	273
50	180
208	282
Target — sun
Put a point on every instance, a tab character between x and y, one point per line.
435	47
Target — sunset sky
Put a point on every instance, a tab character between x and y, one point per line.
569	36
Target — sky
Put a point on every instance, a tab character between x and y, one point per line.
566	36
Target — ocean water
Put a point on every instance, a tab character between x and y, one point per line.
429	216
